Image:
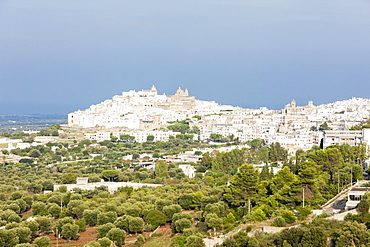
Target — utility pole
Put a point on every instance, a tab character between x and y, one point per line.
57	237
338	182
249	206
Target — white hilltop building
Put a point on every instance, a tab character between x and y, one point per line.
146	113
139	110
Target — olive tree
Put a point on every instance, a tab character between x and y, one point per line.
117	236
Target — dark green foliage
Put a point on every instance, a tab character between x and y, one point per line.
219	206
91	217
182	128
150	138
136	224
81	224
126	138
266	173
42	241
155	218
161	169
293	236
315	236
69	178
94	244
363	125
243	186
363	206
279	222
24	234
45	224
324	126
140	239
215	137
213	221
256	143
75	208
181	224
8	238
133	210
39	208
104	229
186	201
33	226
106	217
288	216
130	224
122	222
25	160
110	175
61	222
54	210
117	236
179	241
169	211
256	215
194	241
181	221
160	203
70	231
240	239
277	153
228	162
105	242
185	136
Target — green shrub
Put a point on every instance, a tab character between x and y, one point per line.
279	222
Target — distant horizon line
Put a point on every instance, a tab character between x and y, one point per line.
66	114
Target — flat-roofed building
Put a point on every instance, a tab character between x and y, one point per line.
340	137
355	195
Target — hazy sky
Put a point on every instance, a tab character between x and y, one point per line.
61	56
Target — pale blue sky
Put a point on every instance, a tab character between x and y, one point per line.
60	56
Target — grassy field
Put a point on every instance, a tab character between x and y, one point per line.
158	242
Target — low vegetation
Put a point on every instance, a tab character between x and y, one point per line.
228	191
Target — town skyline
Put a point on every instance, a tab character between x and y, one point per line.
146	113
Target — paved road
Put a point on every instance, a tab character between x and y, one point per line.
339	201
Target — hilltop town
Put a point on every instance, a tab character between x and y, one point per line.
143	169
145	113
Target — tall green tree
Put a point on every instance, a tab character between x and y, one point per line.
285	186
277	152
243	186
155	218
161	169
